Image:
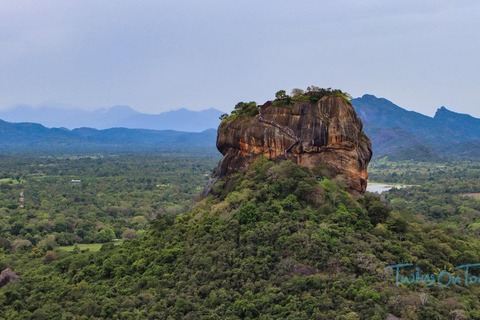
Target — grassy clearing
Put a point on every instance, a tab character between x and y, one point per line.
94	247
473	195
9	180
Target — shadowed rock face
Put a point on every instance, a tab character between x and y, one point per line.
7	276
327	133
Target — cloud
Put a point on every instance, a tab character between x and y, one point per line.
158	55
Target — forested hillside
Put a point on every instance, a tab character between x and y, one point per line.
27	138
285	243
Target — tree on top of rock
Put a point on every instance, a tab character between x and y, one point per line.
281	95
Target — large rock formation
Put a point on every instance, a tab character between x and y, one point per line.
327	132
7	276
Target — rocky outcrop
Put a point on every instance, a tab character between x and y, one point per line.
324	133
304	270
7	276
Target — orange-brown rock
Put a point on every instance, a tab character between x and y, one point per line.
327	132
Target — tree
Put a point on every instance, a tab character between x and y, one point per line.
290	202
248	214
105	235
129	234
249	108
20	244
48	243
280	95
378	212
5	244
296	92
50	256
313	89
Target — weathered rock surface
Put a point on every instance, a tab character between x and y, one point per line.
7	276
328	132
304	270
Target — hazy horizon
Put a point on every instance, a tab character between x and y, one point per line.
106	109
157	56
70	107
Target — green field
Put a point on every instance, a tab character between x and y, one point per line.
9	180
94	247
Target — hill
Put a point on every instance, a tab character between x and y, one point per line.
462	125
464	150
383	113
281	241
31	137
394	129
179	120
279	245
391	128
388	140
68	118
418	153
117	116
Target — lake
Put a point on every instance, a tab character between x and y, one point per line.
382	187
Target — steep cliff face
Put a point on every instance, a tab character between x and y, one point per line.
327	133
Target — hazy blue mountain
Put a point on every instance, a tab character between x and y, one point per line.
117	116
47	116
68	118
181	120
389	140
417	153
383	113
463	124
466	150
23	137
393	129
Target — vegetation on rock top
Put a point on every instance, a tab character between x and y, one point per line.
311	94
241	108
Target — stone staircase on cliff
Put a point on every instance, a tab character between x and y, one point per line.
287	130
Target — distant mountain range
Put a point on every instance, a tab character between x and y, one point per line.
393	129
117	116
32	137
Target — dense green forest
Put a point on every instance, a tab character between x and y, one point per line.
438	192
283	244
110	196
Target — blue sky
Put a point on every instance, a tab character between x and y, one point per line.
161	55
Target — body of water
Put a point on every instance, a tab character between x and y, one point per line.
381	187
